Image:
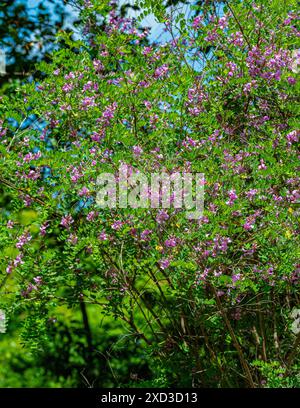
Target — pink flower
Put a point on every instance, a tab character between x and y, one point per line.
137	150
291	80
251	193
88	102
38	280
43	228
2	130
16	262
292	137
23	239
145	234
91	215
84	192
164	263
236	277
73	239
262	165
98	65
70	75
147	50
27	200
232	197
10	224
117	225
9	268
161	71
171	242
67	88
249	224
147	104
222	23
197	21
162	216
103	236
67	221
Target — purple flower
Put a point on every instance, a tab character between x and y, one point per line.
10	224
232	197
23	239
143	84
236	277
87	102
27	200
73	239
220	244
9	268
38	280
171	242
222	23
251	193
262	165
98	65
84	192
97	137
102	236
67	221
147	104
164	263
137	150
249	224
197	21
70	75
291	80
292	137
145	234
108	114
67	88
161	71
237	39
162	216
147	50
91	215
200	277
16	262
117	225
43	228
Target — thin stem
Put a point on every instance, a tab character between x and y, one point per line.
86	324
235	340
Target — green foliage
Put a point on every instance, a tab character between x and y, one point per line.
274	375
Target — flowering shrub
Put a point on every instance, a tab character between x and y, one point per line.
208	297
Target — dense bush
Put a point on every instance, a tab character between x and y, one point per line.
212	301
